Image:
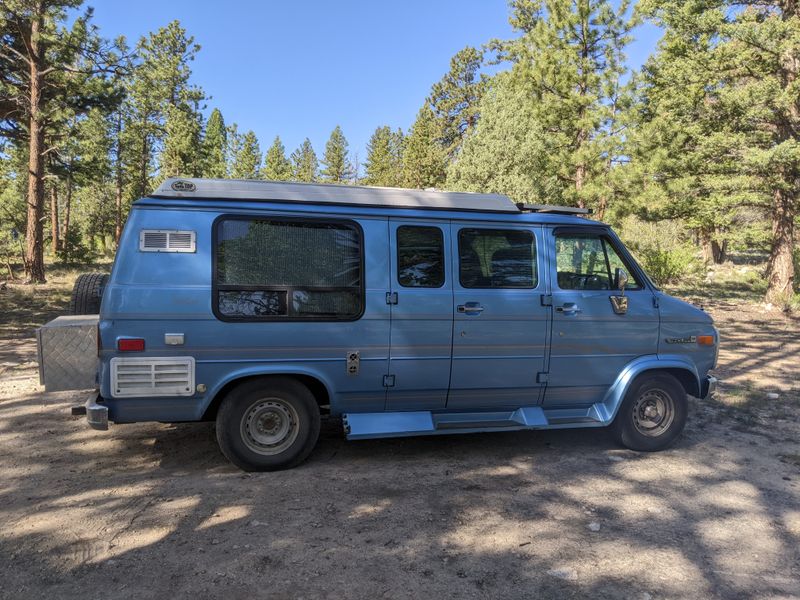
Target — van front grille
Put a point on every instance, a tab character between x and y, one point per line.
152	376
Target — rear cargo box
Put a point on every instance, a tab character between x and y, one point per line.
68	353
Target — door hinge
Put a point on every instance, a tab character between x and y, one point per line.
655	302
547	299
388	381
542	377
391	297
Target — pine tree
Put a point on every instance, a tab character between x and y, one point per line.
165	108
384	166
734	89
424	159
305	165
247	159
181	154
276	166
568	67
337	165
215	144
510	153
455	98
49	71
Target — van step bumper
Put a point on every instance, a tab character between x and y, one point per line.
359	426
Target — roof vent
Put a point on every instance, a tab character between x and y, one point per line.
166	240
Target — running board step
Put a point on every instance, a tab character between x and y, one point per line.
401	424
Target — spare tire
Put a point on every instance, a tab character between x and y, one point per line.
87	294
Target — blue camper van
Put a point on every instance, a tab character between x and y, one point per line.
264	305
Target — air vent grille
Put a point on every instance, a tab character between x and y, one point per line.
166	240
152	376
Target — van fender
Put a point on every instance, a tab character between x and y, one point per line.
257	371
649	362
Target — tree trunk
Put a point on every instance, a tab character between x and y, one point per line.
118	182
34	244
54	224
143	167
781	265
719	252
780	270
67	207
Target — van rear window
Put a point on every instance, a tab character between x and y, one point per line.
287	269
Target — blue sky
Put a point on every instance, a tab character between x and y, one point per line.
297	69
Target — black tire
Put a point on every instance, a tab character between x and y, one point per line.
251	420
653	413
87	294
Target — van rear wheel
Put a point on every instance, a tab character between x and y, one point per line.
268	424
653	413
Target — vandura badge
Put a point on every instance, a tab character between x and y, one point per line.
681	340
183	186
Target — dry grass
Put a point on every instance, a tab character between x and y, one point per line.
24	307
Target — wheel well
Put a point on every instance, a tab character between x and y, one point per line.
314	385
686	379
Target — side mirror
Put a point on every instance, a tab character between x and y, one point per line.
620	303
620	280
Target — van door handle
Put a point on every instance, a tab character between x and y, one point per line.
470	308
568	308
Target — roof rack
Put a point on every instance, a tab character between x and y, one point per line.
556	210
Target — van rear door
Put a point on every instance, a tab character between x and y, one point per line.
421	302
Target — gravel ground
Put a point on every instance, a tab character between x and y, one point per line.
154	511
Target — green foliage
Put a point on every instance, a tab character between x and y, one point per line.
215	144
276	166
305	166
164	109
664	250
246	156
509	153
384	164
559	106
720	117
337	165
74	249
454	99
424	158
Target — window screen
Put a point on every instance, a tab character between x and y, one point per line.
586	262
420	256
497	258
279	269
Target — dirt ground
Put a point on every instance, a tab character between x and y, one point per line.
155	511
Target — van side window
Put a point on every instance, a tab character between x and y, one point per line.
287	269
420	256
588	262
497	258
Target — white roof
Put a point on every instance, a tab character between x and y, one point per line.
240	189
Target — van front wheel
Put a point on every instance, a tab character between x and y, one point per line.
652	414
268	424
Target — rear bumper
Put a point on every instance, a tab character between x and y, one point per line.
709	386
96	414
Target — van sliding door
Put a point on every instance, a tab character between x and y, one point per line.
501	329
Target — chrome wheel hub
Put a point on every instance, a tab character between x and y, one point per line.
653	412
269	426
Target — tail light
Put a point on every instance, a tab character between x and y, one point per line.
130	345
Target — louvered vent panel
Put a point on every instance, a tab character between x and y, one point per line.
166	240
180	240
152	376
